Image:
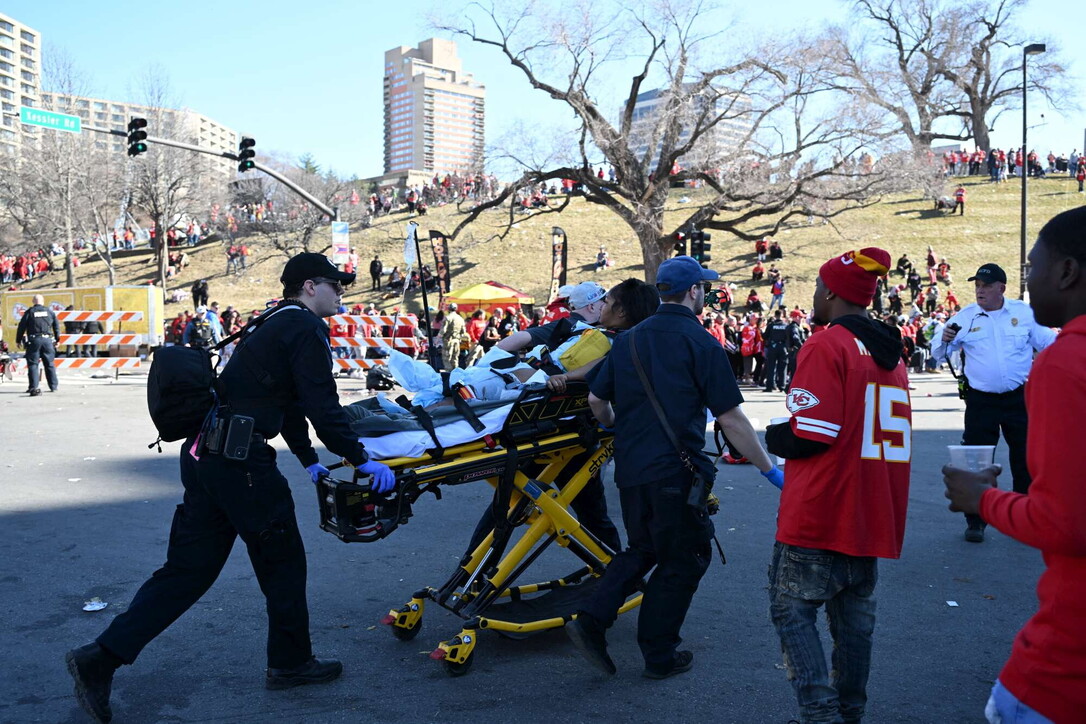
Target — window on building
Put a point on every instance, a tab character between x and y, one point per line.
100	116
28	76
28	102
99	106
5	53
82	104
4	80
27	49
7	67
28	63
5	25
116	108
27	88
28	36
117	118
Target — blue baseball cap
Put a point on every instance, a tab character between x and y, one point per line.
680	273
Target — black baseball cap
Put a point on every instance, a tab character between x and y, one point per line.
990	273
310	265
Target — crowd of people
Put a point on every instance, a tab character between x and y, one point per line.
19	268
1000	164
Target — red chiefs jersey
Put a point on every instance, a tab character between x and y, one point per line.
852	497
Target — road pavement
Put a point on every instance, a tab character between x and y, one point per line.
85	510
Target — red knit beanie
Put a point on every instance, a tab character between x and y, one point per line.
852	276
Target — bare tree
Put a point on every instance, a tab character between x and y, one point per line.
742	123
988	68
53	189
294	225
169	185
903	72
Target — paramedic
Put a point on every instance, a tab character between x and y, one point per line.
279	375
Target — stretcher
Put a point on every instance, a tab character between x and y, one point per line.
546	451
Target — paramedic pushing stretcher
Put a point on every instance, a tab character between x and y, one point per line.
688	371
279	375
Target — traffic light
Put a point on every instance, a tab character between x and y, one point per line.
700	247
680	244
246	154
137	137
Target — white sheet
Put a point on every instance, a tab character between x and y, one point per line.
414	443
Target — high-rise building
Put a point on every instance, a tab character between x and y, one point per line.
434	111
20	79
713	146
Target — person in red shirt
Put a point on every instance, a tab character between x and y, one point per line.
1046	672
846	488
959	201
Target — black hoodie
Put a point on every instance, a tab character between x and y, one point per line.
884	344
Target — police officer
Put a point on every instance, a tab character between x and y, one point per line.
776	351
687	371
998	337
38	332
279	375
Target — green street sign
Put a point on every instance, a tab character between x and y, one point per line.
48	119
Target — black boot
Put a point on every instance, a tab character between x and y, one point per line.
92	668
313	671
590	638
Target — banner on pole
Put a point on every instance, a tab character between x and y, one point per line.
341	242
440	244
558	261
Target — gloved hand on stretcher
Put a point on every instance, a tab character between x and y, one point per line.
316	470
384	479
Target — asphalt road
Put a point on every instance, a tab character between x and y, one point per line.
85	510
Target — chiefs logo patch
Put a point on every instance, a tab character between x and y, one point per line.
800	399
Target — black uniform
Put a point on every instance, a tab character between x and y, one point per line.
280	374
688	371
38	332
775	337
376	269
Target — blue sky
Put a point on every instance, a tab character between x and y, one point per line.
306	77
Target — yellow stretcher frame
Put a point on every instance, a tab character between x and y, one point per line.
536	504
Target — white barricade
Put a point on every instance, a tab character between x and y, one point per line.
97	339
76	315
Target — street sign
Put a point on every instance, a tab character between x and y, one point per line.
341	242
48	119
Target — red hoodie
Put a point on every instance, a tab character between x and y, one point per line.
1047	667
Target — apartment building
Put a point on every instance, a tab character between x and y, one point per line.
182	124
435	113
713	146
20	80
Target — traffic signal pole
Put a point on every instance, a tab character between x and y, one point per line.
330	212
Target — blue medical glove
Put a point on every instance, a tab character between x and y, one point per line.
776	476
316	470
384	479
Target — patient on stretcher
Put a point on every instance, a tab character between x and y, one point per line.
574	346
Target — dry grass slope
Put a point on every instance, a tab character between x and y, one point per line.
907	223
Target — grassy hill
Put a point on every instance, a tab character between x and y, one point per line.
988	232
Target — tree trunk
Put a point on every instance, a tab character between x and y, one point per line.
980	125
655	247
160	246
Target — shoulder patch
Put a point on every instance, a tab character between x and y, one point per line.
800	399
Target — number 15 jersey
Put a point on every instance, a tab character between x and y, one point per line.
850	498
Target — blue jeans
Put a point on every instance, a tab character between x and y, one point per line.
801	580
1004	708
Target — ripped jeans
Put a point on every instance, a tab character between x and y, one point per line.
801	580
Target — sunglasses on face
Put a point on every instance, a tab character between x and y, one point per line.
332	283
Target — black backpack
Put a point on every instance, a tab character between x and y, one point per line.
379	378
182	386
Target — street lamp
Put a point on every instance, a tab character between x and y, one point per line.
1032	49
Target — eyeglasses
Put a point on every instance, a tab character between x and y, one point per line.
337	285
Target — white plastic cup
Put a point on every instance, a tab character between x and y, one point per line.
778	421
971	457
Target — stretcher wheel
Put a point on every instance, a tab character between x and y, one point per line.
407	634
454	669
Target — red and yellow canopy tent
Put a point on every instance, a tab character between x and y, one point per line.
488	296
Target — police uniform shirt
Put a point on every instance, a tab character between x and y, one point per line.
998	345
280	375
38	321
776	333
688	370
